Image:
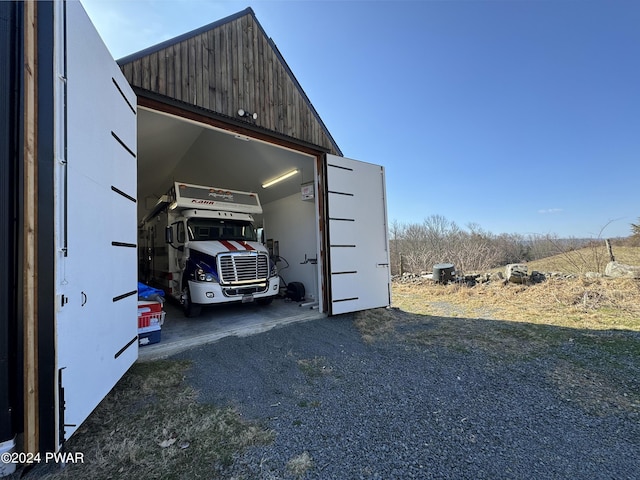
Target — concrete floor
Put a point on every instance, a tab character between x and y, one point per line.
180	333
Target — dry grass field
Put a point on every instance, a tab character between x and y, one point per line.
590	259
591	303
599	303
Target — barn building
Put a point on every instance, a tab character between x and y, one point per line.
89	145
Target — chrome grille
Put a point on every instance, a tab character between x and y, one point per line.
243	268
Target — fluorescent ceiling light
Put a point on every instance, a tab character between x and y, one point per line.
280	178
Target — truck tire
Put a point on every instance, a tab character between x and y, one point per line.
190	309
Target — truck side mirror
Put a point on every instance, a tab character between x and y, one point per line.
168	235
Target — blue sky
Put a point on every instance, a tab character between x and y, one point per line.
519	116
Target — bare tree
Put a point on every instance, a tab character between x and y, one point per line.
438	240
417	247
395	232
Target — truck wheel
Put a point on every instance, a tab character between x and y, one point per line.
264	301
190	309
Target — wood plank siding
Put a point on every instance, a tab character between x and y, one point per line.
226	66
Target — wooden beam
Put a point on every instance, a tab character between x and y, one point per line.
30	202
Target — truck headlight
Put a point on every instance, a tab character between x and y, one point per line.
203	276
274	270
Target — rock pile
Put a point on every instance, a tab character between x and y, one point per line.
620	270
518	273
513	274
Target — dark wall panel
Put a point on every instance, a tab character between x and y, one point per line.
45	229
9	156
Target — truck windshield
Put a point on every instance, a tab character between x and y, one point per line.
215	229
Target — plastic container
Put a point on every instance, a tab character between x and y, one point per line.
145	306
443	272
150	314
149	335
150	319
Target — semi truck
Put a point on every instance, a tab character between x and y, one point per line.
199	244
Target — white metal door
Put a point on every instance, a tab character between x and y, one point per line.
96	271
357	230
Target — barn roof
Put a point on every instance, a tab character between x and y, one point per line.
225	66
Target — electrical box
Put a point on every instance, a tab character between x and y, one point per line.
307	191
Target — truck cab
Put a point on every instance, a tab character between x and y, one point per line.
211	254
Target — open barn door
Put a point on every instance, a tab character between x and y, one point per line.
357	235
96	271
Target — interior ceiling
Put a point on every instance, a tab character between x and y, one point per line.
171	149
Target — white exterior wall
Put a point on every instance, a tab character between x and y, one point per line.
292	222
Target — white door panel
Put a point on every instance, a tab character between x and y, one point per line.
111	215
345	204
358	244
96	322
342	257
343	233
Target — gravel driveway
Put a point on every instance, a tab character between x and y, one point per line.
345	409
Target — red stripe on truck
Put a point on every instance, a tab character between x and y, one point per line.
246	245
230	246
